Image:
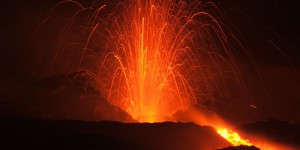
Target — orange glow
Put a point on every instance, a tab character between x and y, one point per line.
148	63
153	58
233	137
222	127
212	119
150	58
152	67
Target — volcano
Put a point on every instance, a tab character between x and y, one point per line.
149	74
74	97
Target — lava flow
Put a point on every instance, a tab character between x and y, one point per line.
233	137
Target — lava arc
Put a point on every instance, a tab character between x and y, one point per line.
158	57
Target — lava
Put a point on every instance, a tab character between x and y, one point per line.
233	137
150	63
150	60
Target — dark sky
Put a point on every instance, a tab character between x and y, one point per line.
263	21
270	28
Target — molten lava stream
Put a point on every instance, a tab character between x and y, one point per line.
233	137
262	143
224	129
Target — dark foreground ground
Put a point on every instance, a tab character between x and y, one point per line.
281	132
40	134
43	134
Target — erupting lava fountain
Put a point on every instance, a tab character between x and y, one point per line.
153	58
156	57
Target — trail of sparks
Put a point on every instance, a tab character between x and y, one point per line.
149	52
152	64
153	58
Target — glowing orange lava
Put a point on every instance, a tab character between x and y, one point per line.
233	137
151	67
151	59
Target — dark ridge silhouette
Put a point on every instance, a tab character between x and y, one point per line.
63	97
276	130
242	147
41	134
